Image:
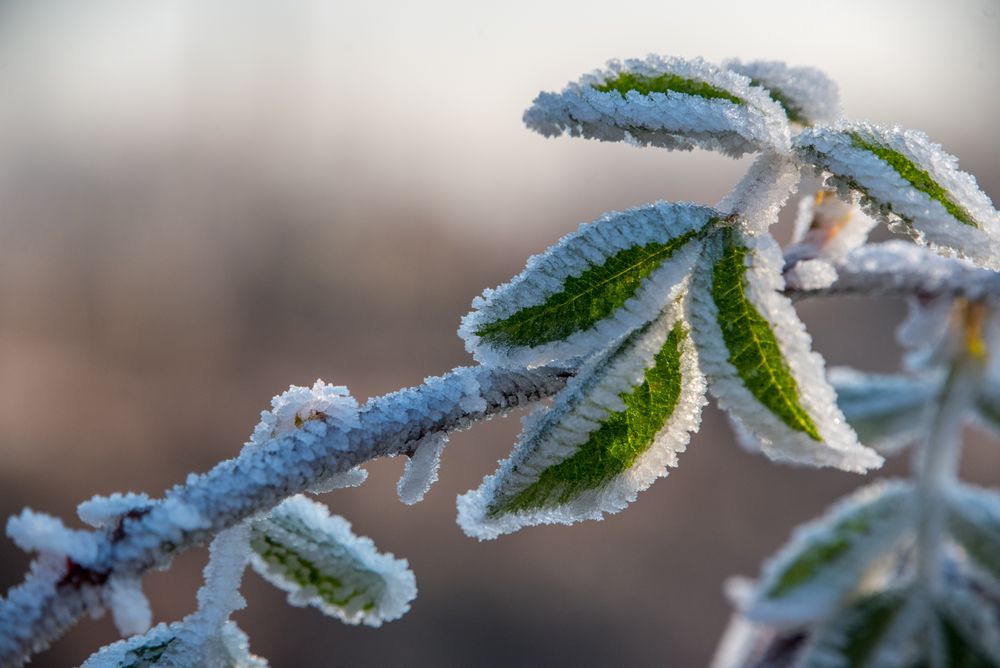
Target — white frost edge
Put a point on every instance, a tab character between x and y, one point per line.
840	447
592	244
809	88
670	120
932	223
400	584
589	398
816	599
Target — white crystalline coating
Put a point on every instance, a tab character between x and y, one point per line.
759	196
353	478
298	406
670	120
886	195
810	275
827	227
864	526
887	411
103	511
421	470
552	435
301	543
129	606
887	646
839	447
591	245
206	638
45	534
806	91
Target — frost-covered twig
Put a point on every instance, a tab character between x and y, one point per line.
60	589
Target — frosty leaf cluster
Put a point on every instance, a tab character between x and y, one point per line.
628	325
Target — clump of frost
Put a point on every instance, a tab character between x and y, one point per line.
299	405
421	469
303	550
353	478
104	511
128	605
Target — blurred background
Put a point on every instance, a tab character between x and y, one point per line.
203	201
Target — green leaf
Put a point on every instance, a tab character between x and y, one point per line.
316	558
827	559
665	83
597	284
610	433
753	348
585	299
915	176
974	523
865	634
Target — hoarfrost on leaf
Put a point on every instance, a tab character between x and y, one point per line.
615	428
303	550
806	95
595	285
666	102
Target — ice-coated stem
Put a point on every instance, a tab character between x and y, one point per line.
57	592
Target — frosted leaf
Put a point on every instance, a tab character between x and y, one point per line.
910	183
758	358
616	427
965	630
806	95
303	550
353	478
129	606
877	631
104	511
298	406
421	469
206	638
887	411
666	102
759	196
826	559
827	227
45	534
597	284
974	523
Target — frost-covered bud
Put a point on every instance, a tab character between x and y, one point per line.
421	469
909	182
667	102
45	534
297	406
104	511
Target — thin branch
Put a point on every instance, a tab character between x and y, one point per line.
57	592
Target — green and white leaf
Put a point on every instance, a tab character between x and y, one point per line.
616	427
667	102
806	95
964	632
974	523
887	411
303	550
597	284
758	358
912	184
827	559
876	631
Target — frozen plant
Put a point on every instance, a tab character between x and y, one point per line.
626	324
